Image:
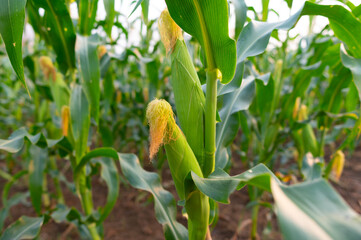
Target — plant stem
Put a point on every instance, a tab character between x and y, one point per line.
255	210
59	193
85	196
210	122
322	142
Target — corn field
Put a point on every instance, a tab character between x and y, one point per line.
210	121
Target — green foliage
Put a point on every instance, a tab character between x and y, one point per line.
342	22
286	109
12	19
24	228
59	31
208	22
86	50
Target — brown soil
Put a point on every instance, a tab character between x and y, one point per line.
133	216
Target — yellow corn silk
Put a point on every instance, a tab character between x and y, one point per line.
170	32
181	160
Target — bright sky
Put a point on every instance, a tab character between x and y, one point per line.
157	6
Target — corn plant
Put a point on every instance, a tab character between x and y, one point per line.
86	103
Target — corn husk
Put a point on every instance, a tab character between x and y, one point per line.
181	160
338	164
188	94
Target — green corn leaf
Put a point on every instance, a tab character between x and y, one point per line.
152	68
36	20
233	102
345	26
241	16
164	203
90	71
354	65
219	185
16	141
145	10
333	97
80	120
138	2
87	11
13	200
24	228
208	22
60	30
264	97
16	199
110	175
12	19
37	164
109	8
310	210
314	210
255	36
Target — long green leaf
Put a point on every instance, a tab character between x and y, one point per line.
208	22
12	19
310	210
164	204
355	66
109	8
15	199
16	142
87	11
24	228
37	166
110	175
80	120
255	36
61	32
219	185
241	16
345	26
233	102
86	50
314	210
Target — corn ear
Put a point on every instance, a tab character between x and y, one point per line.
188	94
338	164
102	50
47	67
65	115
309	138
164	131
181	160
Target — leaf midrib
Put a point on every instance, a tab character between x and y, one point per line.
62	38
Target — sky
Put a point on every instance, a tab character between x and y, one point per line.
157	6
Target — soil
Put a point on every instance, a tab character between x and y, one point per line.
133	215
